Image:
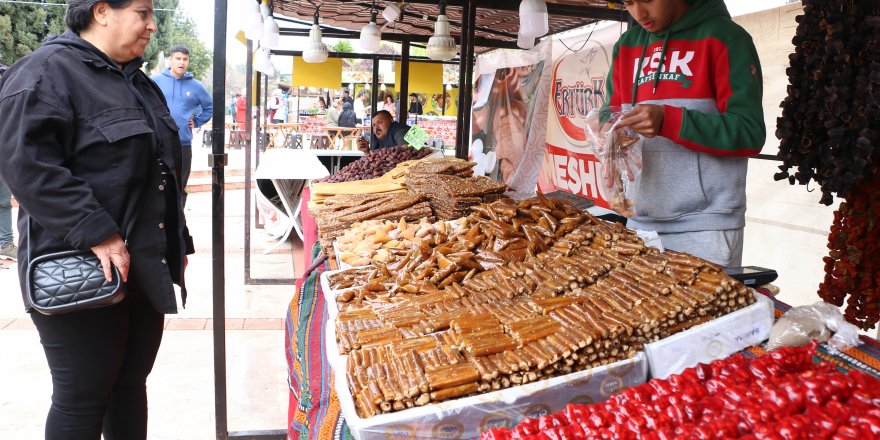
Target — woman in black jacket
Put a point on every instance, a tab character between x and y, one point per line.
86	134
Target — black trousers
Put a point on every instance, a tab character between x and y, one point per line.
186	165
100	360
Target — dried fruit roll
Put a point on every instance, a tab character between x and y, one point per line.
452	376
451	393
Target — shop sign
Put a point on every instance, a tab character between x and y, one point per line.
579	76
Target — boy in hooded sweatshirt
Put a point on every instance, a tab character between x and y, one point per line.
691	81
188	101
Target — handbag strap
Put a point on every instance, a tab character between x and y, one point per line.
133	210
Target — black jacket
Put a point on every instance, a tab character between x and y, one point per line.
77	149
347	118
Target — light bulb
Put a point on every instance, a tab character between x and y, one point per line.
371	38
271	33
533	18
253	29
391	12
316	50
441	46
382	87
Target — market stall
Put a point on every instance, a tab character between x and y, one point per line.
462	311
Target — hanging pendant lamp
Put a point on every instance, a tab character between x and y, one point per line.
442	46
316	50
371	38
533	18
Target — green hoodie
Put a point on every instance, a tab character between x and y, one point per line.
704	71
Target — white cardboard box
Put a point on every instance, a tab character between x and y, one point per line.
469	416
715	339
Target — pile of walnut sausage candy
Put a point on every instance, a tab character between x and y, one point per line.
516	292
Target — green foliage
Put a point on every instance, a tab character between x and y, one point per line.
342	46
23	28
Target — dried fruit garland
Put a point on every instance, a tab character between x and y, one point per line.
830	125
780	395
830	132
852	267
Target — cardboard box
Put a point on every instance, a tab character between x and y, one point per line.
469	416
715	339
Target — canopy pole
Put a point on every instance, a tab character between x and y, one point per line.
465	80
403	91
217	160
374	92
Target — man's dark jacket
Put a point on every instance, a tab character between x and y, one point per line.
76	148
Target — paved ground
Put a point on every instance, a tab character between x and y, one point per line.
181	388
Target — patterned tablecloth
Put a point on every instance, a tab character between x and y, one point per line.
437	128
314	410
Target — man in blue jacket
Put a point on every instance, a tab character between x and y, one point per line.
188	101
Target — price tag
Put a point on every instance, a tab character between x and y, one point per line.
416	137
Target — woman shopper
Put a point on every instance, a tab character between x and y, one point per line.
389	106
86	135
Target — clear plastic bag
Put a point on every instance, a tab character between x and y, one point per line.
619	151
820	321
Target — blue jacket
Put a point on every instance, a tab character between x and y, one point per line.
186	98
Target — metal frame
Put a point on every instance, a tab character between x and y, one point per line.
218	158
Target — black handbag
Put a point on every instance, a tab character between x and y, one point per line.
67	281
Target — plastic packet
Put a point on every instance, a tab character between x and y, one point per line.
619	151
820	321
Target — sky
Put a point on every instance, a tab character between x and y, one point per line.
202	13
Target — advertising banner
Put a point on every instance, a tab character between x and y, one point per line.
509	117
579	73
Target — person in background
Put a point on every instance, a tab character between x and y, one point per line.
333	113
697	103
276	106
385	133
347	117
346	97
189	103
232	104
321	104
360	106
389	106
240	111
8	249
86	135
415	105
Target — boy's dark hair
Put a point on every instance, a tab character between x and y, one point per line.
79	12
178	48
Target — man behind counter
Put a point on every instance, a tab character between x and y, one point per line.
385	133
697	102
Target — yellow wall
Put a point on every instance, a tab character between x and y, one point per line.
424	78
326	75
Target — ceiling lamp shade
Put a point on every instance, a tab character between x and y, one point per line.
371	38
533	18
441	46
253	29
271	33
391	12
316	50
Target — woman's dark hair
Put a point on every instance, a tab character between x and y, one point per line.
79	12
389	96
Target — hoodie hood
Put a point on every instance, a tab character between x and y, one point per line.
698	12
347	106
89	53
186	75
